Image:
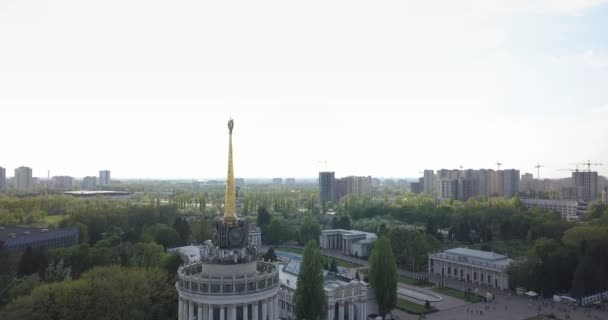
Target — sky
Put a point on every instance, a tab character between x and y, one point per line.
381	88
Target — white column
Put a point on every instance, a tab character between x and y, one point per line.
329	311
200	312
205	315
264	310
191	307
270	309
246	312
364	308
185	310
341	311
232	312
222	312
180	308
209	312
351	311
277	313
254	311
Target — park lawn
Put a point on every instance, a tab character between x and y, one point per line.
54	219
412	282
458	294
413	307
47	222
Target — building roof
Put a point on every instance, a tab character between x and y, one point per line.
476	254
92	193
10	235
192	252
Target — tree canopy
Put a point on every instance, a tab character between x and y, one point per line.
309	298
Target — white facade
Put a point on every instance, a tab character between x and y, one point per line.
349	242
346	299
473	266
247	291
568	209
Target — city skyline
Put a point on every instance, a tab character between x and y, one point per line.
386	91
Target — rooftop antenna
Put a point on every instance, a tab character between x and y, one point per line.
538	166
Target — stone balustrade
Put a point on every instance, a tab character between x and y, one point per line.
191	279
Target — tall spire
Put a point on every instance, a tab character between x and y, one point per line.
230	196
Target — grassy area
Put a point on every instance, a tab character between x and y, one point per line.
457	294
413	307
340	262
412	282
402	279
55	219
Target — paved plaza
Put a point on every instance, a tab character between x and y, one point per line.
504	306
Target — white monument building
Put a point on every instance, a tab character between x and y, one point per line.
349	242
227	283
346	298
474	266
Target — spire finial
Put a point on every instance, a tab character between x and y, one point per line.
230	197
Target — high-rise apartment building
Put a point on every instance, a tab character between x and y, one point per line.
510	182
428	184
89	183
587	181
277	181
326	186
448	188
63	182
471	183
104	178
2	179
23	179
290	181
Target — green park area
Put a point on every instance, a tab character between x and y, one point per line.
412	307
458	294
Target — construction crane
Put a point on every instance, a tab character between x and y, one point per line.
538	166
588	164
498	164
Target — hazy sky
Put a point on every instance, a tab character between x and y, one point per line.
382	88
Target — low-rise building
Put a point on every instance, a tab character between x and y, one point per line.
345	298
349	242
474	266
17	240
568	209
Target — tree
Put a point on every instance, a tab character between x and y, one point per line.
183	229
201	231
270	255
333	267
102	293
57	272
33	260
309	298
383	275
161	234
263	216
310	230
